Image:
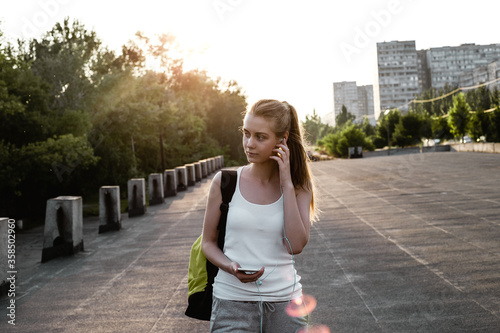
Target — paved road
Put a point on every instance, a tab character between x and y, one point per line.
405	244
408	244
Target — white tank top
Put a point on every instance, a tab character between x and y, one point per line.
254	239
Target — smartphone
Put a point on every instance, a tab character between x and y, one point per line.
278	154
248	270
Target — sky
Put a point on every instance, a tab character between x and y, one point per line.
281	49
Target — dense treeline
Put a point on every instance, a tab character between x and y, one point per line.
449	114
454	115
336	140
75	115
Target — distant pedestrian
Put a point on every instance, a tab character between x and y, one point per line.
268	223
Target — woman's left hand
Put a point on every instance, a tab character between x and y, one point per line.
282	157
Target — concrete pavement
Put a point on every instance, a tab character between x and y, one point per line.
405	243
408	244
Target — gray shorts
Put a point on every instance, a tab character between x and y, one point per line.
239	317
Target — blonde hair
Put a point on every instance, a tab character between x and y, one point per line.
283	118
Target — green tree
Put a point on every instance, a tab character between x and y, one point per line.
495	125
495	97
440	128
367	128
324	131
344	117
411	128
443	105
435	106
75	116
35	139
426	130
386	127
25	116
226	113
312	126
408	131
337	144
64	58
479	99
459	116
479	125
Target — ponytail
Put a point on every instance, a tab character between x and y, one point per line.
285	119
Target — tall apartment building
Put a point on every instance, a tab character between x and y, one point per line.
345	93
365	100
397	80
447	64
404	72
424	74
494	74
489	73
357	99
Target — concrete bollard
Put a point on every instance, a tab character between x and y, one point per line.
109	208
155	185
218	162
136	197
5	241
214	163
197	171
209	167
221	161
191	180
169	183
63	231
182	180
203	168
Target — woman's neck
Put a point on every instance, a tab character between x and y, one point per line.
264	172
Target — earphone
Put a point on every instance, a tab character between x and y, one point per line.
259	281
284	238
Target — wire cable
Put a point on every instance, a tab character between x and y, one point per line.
421	101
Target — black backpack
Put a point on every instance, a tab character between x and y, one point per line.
201	271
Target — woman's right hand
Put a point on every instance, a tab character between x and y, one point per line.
244	277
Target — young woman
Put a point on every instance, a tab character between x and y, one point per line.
267	224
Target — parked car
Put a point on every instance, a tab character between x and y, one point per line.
313	156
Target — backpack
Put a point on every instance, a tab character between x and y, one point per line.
202	272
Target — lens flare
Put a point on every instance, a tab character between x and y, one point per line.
302	306
316	329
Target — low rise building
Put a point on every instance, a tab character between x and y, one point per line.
357	99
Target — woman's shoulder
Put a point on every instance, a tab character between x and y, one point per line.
215	185
217	178
216	181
